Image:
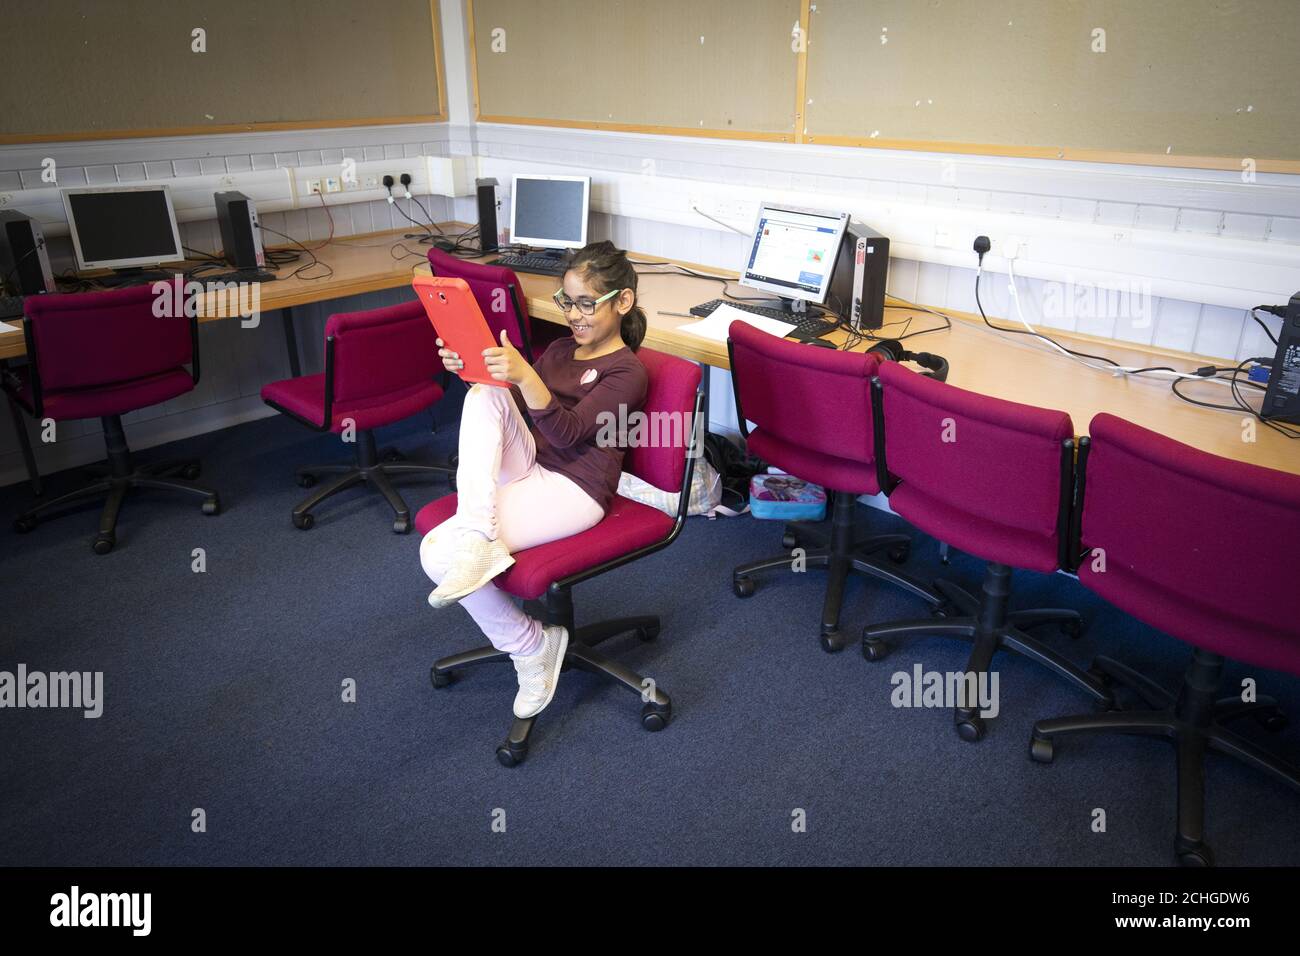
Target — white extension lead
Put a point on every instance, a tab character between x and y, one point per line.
1113	369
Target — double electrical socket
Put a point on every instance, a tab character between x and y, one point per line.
331	184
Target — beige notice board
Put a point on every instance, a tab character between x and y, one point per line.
98	69
1202	83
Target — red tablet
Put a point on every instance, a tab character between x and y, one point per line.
459	322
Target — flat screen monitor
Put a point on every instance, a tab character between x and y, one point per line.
793	251
549	211
123	226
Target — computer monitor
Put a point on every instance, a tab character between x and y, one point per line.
122	226
549	211
793	251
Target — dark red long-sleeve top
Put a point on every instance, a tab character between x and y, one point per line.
574	431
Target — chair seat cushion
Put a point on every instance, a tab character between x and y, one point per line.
836	474
628	527
1240	636
305	397
989	540
112	399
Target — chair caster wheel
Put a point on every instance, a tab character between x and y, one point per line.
941	610
655	717
874	650
900	553
743	586
24	525
303	522
970	728
1195	854
401	525
103	543
306	481
832	641
441	679
647	633
1274	722
1041	750
788	541
1072	628
191	471
212	505
511	758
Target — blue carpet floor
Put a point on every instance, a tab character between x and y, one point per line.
223	692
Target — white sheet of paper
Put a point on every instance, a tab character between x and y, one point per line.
716	324
6	327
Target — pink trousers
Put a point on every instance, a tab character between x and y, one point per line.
504	494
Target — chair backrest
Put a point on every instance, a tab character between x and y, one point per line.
87	339
669	407
805	397
382	351
991	477
491	288
1199	546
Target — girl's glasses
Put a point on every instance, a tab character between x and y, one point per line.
586	305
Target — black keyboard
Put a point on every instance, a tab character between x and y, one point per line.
807	325
540	265
11	307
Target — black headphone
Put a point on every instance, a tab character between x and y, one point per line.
936	366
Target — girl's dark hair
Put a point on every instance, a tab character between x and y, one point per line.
605	267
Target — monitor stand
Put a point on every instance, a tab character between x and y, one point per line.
137	275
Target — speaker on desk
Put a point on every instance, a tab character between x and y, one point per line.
23	255
241	237
487	214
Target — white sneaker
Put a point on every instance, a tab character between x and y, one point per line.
539	673
477	562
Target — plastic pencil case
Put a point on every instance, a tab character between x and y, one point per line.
786	498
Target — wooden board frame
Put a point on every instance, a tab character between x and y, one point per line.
9	139
1063	154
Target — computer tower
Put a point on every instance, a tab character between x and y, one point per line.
241	239
23	256
857	290
1282	398
487	214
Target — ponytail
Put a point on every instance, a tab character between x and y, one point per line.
606	267
632	328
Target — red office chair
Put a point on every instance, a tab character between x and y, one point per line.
100	355
500	296
1202	548
380	367
811	412
630	531
991	478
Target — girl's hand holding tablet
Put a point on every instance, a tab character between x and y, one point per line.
450	360
505	364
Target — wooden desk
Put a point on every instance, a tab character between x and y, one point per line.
1006	366
1003	365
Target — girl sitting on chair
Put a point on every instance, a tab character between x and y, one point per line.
520	487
